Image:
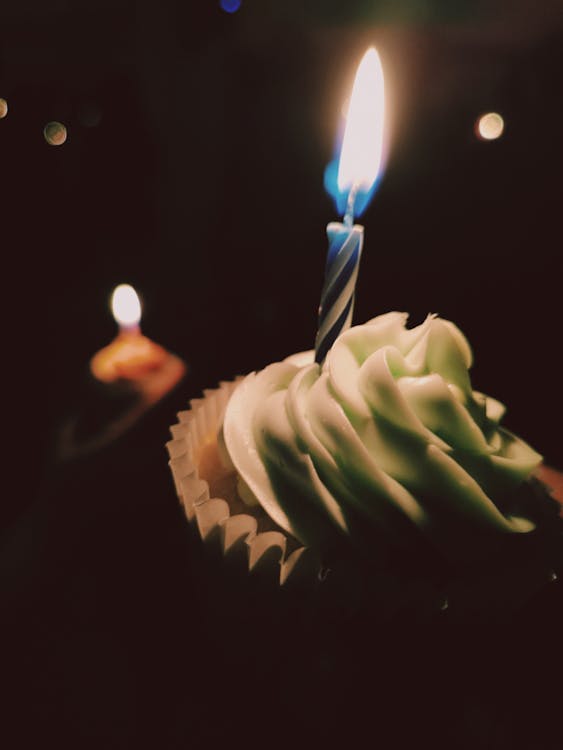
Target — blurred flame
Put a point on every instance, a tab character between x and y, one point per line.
362	148
126	306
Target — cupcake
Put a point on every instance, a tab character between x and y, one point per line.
381	474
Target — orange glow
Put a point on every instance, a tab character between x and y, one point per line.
130	357
362	147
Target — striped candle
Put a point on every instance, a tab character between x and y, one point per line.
337	297
359	166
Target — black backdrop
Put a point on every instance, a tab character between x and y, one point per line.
193	168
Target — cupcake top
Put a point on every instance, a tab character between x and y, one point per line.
388	431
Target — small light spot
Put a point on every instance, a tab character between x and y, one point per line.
55	133
489	127
3	108
230	6
552	576
444	604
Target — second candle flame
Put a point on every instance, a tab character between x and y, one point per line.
126	306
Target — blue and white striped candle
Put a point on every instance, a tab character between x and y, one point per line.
337	298
359	168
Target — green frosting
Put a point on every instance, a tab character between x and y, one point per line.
388	429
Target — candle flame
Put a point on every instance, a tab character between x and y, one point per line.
126	306
362	148
353	175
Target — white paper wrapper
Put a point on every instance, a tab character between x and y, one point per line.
270	554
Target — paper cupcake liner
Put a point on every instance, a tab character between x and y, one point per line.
270	555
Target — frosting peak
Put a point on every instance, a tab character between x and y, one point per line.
389	428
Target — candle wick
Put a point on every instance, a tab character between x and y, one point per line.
349	215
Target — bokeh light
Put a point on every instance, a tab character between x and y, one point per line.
3	108
230	6
489	127
55	133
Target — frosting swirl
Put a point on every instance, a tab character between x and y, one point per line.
389	429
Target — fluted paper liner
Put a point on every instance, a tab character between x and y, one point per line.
235	535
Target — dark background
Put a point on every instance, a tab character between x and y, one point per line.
193	169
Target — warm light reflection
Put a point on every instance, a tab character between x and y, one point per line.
3	108
126	306
490	126
362	147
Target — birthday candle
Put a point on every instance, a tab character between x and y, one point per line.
337	298
131	355
358	170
